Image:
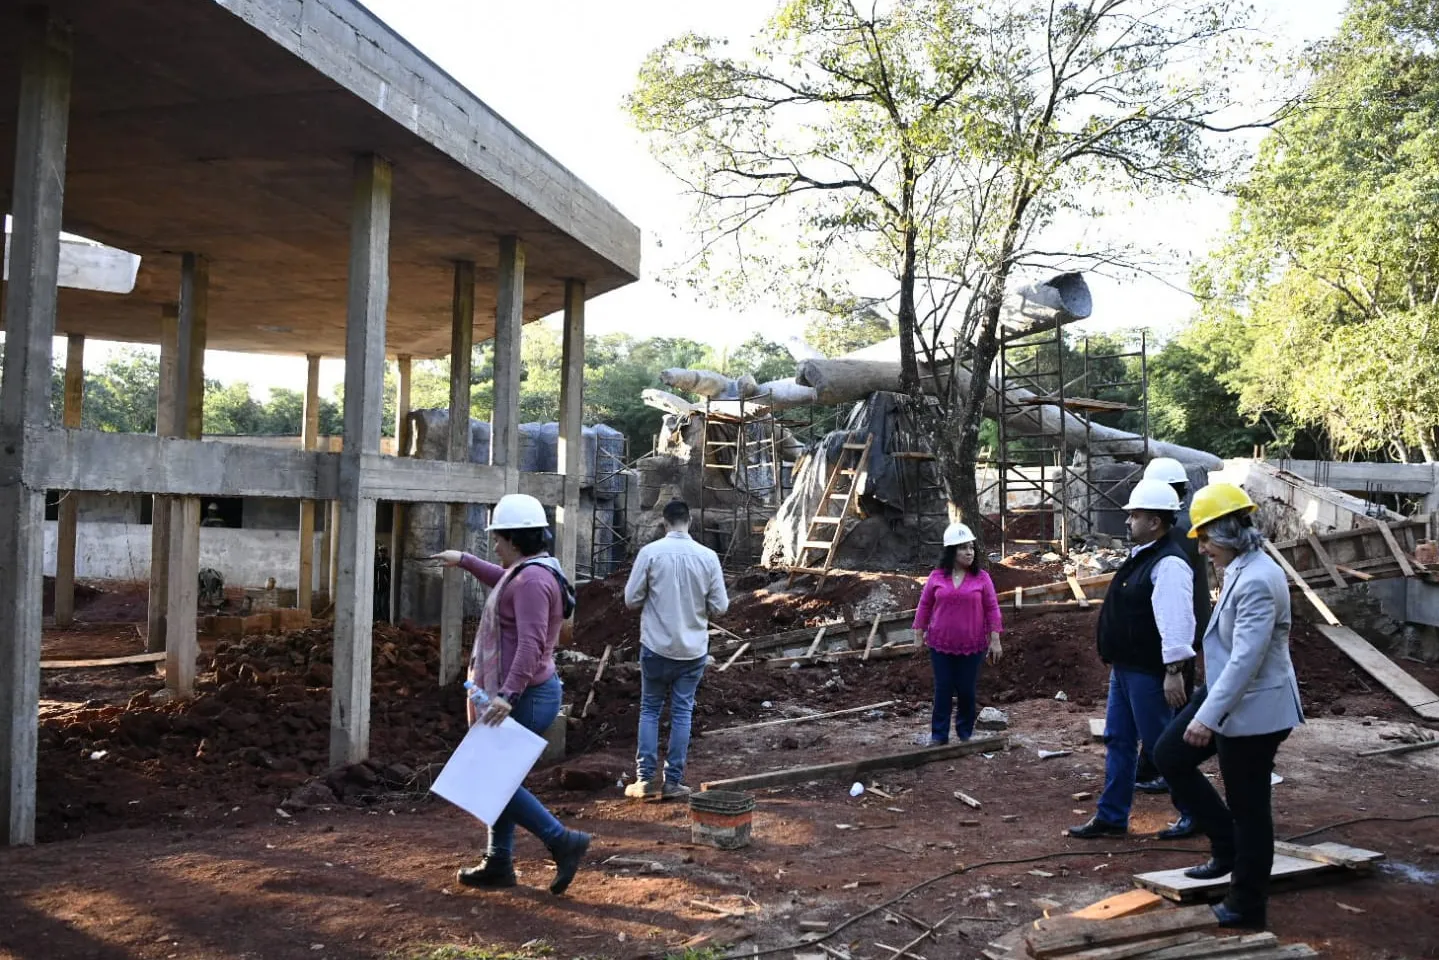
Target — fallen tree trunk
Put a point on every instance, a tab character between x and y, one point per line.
847	379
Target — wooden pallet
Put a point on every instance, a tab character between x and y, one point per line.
1287	871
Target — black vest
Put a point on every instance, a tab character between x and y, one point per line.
1128	635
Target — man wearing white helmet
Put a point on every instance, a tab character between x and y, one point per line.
1146	636
1171	471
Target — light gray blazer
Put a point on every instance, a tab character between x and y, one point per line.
1252	687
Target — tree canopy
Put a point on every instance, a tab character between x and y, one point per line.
1328	285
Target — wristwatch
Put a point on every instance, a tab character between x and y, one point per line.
1176	668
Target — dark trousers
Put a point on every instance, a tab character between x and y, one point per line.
956	677
1241	833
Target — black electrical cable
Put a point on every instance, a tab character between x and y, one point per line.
1128	851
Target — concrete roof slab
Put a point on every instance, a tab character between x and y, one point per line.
229	128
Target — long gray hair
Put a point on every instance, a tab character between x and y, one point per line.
1234	532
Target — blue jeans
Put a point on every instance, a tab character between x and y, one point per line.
677	681
1137	712
956	677
535	710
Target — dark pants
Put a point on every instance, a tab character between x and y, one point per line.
1136	713
1147	770
956	677
1241	833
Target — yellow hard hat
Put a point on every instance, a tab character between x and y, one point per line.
1215	501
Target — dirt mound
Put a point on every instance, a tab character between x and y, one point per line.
93	602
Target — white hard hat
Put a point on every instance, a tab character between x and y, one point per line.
1167	470
518	511
956	534
1152	494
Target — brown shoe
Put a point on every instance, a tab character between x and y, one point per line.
645	790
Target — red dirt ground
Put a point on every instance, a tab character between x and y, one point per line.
173	832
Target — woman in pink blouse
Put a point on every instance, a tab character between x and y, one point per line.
958	617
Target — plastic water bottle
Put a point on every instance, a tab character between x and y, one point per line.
476	694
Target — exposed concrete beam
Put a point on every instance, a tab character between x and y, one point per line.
69	518
368	294
37	204
1411	478
165	412
309	440
452	586
509	306
91	266
398	512
572	406
182	645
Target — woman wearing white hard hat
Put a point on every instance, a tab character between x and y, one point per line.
513	662
958	617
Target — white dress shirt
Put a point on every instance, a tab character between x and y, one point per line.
1173	604
680	585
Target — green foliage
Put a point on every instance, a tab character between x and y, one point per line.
1328	286
122	396
761	358
846	327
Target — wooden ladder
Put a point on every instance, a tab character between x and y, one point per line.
852	466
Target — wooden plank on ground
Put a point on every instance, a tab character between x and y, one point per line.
1139	949
1351	858
1214	947
103	662
869	643
1078	591
1066	935
1120	905
805	719
1418	697
1326	561
853	769
737	654
818	637
1174	885
1308	591
1401	748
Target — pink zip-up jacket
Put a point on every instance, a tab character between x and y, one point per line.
531	612
958	620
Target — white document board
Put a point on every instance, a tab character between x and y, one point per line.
488	767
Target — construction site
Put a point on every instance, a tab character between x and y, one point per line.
195	768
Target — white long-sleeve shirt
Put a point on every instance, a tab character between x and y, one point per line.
1173	605
680	585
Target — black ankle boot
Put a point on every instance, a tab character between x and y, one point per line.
494	874
567	855
1211	870
1232	919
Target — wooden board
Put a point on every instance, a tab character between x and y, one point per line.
1350	858
804	719
1418	697
105	662
853	769
1174	885
1298	581
1120	905
1245	946
1140	949
1065	935
1327	562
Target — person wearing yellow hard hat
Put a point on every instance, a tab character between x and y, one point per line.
1146	637
958	617
513	662
1245	711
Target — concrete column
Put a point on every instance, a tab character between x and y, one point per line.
369	288
309	439
397	510
330	549
572	380
462	342
165	426
182	645
37	201
509	315
66	529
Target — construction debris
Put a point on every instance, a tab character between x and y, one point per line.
1292	864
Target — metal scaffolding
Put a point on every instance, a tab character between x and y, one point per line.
1065	493
609	520
745	448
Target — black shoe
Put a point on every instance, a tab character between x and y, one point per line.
1211	870
1098	828
1233	919
493	874
567	855
1157	785
1184	827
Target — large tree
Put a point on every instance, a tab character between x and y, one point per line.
1330	278
917	153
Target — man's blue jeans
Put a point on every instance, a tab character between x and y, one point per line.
677	681
956	677
535	710
1137	712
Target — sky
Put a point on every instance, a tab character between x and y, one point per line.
559	70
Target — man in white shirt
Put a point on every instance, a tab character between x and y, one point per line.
1146	636
680	585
